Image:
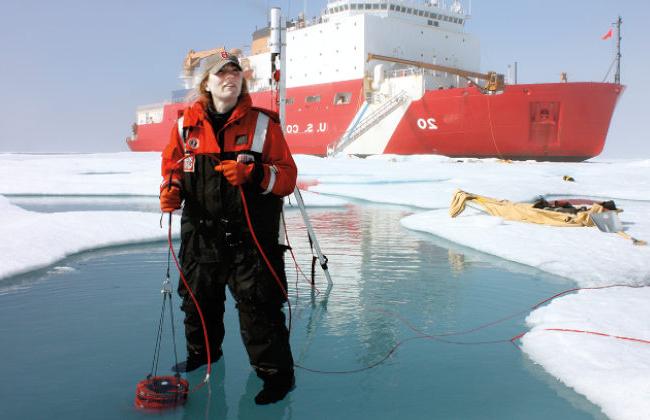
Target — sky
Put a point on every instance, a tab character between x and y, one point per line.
73	72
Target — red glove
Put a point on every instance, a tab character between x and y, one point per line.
236	173
170	199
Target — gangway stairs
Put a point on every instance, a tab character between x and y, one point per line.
367	123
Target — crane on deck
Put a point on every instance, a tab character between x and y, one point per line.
494	81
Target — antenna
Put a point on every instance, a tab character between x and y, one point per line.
617	75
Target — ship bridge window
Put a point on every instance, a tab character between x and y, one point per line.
409	10
375	6
342	98
353	6
312	99
289	101
460	21
384	6
368	5
392	7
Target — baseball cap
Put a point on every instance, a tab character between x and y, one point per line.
223	58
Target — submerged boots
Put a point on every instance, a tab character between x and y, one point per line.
276	387
195	361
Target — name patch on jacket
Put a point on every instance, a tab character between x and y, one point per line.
188	164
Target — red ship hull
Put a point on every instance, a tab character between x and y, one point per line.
553	121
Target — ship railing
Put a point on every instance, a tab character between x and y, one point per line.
367	123
411	71
405	72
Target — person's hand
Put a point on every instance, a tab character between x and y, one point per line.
236	173
170	199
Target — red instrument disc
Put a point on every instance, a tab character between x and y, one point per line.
161	392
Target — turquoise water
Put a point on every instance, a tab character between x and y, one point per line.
78	336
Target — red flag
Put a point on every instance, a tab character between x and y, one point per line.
608	34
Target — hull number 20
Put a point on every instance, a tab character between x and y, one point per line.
427	124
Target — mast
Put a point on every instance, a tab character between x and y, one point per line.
277	46
617	76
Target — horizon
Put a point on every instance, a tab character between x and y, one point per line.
75	72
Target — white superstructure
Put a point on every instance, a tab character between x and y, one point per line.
335	46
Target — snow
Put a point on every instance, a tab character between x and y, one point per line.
612	373
34	240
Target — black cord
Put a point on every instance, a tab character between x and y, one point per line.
156	351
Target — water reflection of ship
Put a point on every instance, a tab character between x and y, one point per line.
380	270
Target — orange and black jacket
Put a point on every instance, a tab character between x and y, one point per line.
213	211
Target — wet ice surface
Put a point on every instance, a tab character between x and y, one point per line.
82	333
612	373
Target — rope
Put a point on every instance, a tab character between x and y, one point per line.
171	311
487	98
171	315
166	294
156	350
196	304
299	271
638	340
438	337
263	254
609	70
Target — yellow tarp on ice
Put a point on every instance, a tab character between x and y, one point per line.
523	212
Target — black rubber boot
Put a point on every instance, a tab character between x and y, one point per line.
195	361
276	387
